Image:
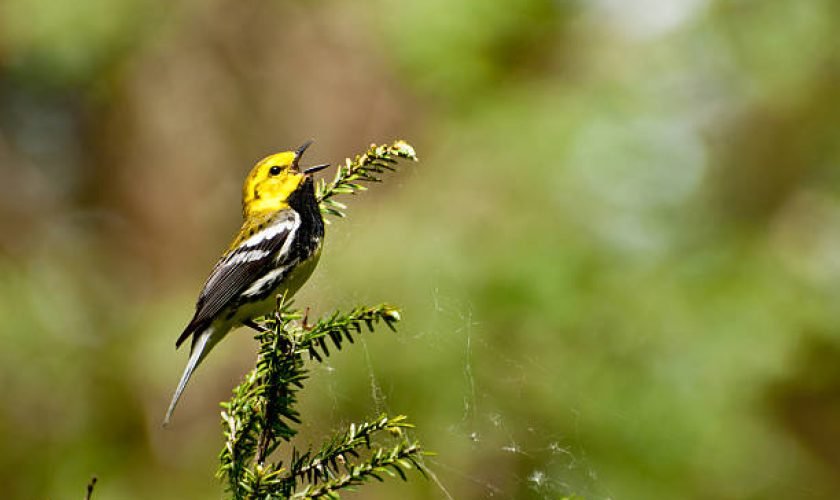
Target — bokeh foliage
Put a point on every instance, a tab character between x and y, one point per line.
619	261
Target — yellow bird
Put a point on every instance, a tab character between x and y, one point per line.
274	253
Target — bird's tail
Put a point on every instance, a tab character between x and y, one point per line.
204	341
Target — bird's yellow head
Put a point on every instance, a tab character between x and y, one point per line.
272	180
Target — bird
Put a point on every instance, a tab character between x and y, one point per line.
274	253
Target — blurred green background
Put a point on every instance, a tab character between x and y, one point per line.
618	260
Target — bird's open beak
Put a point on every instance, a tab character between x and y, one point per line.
299	152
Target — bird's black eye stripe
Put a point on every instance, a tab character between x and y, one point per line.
274	170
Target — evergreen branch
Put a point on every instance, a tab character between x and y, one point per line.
261	411
279	397
261	415
239	422
341	326
326	464
367	167
403	456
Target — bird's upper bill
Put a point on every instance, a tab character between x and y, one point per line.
299	153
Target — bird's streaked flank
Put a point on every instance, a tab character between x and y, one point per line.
274	254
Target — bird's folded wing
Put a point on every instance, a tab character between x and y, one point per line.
261	253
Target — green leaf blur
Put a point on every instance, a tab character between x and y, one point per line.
618	264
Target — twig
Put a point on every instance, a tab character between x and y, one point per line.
90	486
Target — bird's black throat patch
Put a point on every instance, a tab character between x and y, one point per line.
311	229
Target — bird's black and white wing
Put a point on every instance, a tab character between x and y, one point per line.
261	258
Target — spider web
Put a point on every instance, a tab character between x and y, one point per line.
545	463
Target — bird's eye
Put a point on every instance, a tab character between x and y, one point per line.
274	170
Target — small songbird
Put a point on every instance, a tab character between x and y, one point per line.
274	253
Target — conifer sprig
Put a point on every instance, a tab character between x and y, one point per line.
339	327
367	167
337	464
261	415
394	462
262	410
